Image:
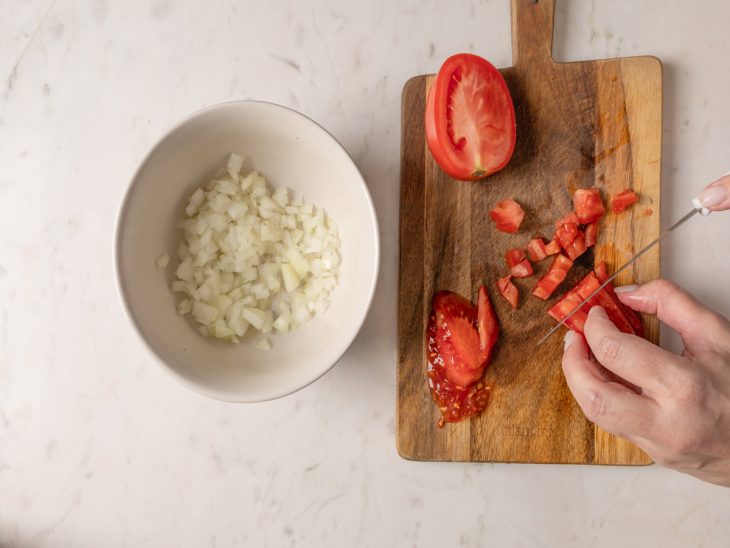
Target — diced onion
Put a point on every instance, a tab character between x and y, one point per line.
252	259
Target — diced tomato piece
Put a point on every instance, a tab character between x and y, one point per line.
591	234
565	306
522	270
507	215
536	250
623	200
508	290
565	234
514	256
588	205
589	285
570	219
552	248
632	316
553	278
576	248
487	325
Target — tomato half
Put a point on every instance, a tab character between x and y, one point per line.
470	118
507	215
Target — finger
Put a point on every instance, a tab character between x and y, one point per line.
699	327
716	195
608	404
628	356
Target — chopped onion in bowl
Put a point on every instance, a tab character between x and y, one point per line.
253	258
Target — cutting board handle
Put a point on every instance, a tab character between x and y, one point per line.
532	32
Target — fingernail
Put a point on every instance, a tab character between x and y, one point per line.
569	338
596	310
710	197
626	288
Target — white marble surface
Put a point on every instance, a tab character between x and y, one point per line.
100	447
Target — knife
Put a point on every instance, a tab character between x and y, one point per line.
696	208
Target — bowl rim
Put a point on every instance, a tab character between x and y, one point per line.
122	209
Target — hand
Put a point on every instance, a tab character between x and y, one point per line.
716	195
681	415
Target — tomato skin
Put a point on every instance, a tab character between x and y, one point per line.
508	290
536	250
507	215
469	118
623	200
553	278
487	324
588	205
522	270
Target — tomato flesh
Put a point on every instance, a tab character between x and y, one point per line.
553	278
460	339
552	248
508	290
591	234
576	248
522	270
588	205
536	250
514	257
470	118
623	200
507	215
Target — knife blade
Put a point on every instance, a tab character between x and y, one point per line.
696	208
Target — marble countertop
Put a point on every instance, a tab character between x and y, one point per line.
100	447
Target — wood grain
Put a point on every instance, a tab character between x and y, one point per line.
578	124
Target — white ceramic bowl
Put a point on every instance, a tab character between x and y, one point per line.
291	150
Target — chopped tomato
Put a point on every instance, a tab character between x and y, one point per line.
587	286
514	256
591	234
565	234
570	219
552	248
522	270
632	316
508	290
588	205
460	339
553	278
507	215
565	306
470	119
576	248
623	200
536	250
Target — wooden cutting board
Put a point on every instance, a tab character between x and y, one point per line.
578	124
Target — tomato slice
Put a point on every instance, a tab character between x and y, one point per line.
553	278
487	324
552	248
470	118
590	284
591	234
632	316
623	200
576	248
536	250
514	256
507	215
508	290
566	305
588	205
522	270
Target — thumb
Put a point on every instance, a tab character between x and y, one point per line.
716	195
699	327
